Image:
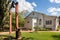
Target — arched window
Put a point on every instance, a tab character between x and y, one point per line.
40	21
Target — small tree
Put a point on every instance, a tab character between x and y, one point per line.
59	20
58	28
20	20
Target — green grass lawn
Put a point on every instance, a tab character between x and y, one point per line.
38	35
41	36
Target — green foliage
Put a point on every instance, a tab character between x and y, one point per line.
59	20
4	12
20	20
45	29
37	28
58	28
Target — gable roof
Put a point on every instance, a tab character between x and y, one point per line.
38	13
33	12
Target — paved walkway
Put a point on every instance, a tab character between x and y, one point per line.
26	31
13	32
5	33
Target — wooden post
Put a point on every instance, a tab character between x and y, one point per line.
16	17
16	13
10	22
17	28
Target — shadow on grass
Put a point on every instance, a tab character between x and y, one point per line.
29	38
6	37
56	37
3	36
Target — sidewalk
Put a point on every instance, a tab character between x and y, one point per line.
5	33
26	31
13	32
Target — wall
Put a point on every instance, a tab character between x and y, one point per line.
26	24
53	25
34	18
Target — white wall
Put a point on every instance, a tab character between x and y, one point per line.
34	21
57	23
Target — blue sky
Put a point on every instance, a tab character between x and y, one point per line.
44	5
49	7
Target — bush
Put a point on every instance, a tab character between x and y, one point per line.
58	28
30	28
37	28
43	29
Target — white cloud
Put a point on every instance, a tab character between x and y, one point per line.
51	9
25	5
55	1
34	4
54	11
51	1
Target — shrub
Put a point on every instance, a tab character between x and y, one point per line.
37	28
58	28
30	28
